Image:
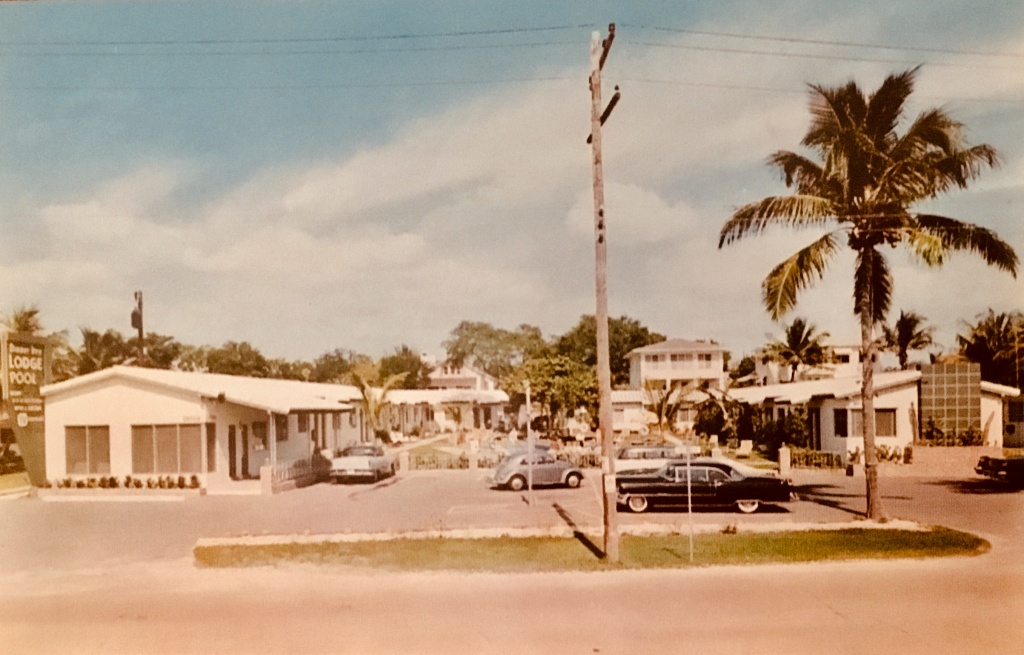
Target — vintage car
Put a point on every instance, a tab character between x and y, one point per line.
362	462
712	483
514	471
644	458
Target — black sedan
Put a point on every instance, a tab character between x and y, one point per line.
712	483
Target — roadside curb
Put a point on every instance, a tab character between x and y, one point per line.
648	530
18	492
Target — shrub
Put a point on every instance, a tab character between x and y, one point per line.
181	482
194	482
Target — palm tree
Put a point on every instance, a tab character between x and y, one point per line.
24	320
867	180
994	341
375	399
909	333
801	344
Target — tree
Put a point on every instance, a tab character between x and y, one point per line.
624	335
375	402
864	186
100	350
801	345
994	341
495	351
237	358
405	361
192	358
558	383
161	351
333	366
666	403
24	320
909	333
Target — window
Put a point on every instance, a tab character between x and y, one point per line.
885	423
281	427
704	360
336	421
168	449
840	418
303	422
87	449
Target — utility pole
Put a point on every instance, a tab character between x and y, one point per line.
598	53
137	324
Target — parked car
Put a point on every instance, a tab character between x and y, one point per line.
644	458
712	483
513	471
364	462
1005	469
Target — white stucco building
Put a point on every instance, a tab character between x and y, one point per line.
143	422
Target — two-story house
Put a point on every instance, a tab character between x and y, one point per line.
678	362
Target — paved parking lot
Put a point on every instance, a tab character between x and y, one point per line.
80	534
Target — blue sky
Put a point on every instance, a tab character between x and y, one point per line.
308	176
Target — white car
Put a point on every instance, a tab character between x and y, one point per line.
362	462
638	458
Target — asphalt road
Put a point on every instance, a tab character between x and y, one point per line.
116	578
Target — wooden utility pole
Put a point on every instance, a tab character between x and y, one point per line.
598	53
137	324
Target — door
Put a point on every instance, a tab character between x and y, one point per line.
232	453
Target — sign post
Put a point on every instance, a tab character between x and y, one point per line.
26	368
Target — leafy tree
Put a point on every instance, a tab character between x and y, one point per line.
495	351
405	361
864	186
908	333
237	358
333	366
192	358
994	341
624	335
746	366
558	383
283	369
800	345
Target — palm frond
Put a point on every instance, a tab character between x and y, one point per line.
798	171
792	211
962	166
886	106
785	281
958	235
928	247
872	285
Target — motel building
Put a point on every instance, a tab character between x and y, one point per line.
226	430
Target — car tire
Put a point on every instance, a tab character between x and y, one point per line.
517	483
636	504
573	480
748	506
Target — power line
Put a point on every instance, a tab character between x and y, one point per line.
249	53
298	87
798	55
828	42
320	39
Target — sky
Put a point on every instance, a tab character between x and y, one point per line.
306	176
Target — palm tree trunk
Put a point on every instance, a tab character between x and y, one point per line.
867	396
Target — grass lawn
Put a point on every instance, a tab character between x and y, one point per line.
10	481
547	554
